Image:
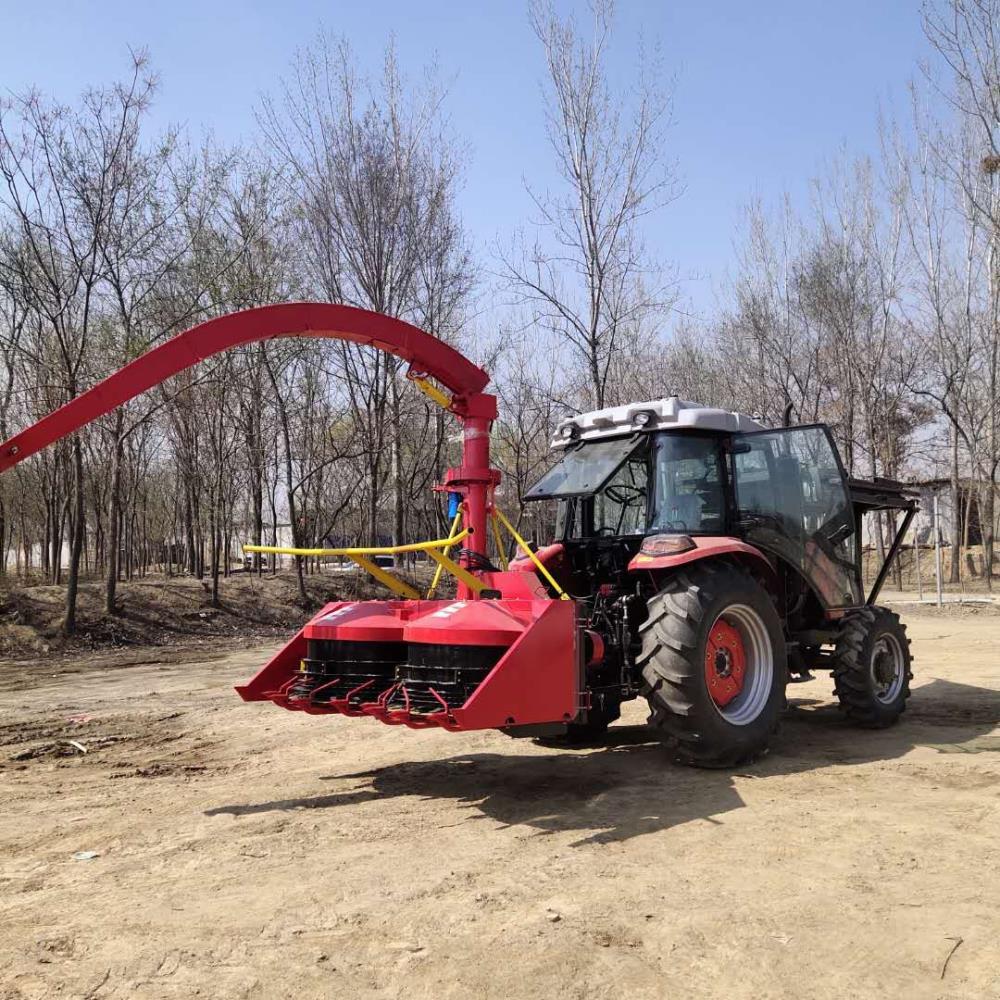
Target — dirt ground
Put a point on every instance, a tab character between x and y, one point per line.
242	851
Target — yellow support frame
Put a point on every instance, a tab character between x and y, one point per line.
526	549
501	555
394	583
459	572
397	586
440	568
444	563
431	391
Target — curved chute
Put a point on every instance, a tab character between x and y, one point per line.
426	355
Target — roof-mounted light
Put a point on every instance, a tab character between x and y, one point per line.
643	418
568	431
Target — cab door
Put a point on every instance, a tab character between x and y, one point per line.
792	499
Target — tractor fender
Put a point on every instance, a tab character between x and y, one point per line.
708	547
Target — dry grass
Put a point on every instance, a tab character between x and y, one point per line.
163	611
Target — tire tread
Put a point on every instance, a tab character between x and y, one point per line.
851	683
670	667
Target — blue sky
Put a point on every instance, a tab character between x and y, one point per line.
766	90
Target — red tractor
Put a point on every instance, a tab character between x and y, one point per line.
699	560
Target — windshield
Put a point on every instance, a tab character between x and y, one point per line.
584	468
665	482
687	489
620	507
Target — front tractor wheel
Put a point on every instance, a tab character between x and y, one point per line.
871	671
714	665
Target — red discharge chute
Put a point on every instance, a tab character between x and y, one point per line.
425	353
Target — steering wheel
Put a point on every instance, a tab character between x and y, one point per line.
674	526
625	493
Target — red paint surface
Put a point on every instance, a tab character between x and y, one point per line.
725	662
536	680
425	353
705	546
538	677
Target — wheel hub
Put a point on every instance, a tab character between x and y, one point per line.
886	668
725	662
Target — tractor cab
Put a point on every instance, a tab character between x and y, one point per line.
681	477
713	557
613	493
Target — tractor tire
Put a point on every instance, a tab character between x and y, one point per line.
714	664
871	671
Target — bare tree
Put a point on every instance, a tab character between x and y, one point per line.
14	317
964	35
588	276
64	173
375	175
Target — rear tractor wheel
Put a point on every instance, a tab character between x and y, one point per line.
871	670
714	665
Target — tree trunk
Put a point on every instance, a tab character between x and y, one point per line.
956	526
114	521
986	526
47	539
215	531
397	475
190	557
76	542
985	534
286	439
257	498
3	539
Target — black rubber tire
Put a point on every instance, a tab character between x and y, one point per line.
672	662
853	672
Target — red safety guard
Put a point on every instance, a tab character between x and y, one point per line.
537	679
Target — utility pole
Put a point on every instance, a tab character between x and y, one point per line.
937	550
991	167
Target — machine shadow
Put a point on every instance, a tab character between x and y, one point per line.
627	785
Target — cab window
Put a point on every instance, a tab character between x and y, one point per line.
688	494
792	499
620	508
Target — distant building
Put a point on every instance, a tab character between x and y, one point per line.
967	514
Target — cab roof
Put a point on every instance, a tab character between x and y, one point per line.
670	413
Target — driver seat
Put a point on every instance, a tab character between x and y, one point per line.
682	508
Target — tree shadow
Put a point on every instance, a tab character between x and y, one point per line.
627	784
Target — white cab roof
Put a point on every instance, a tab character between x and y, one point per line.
671	413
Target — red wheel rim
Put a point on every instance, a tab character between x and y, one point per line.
725	662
